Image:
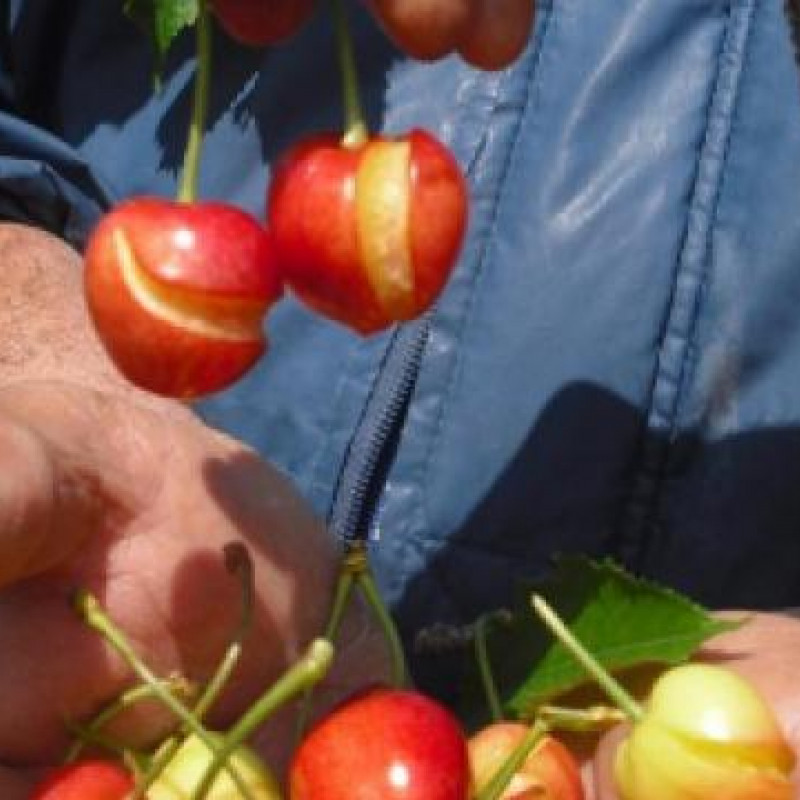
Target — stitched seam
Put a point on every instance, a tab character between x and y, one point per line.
492	217
674	361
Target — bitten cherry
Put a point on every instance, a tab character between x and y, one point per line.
92	779
178	293
368	234
385	743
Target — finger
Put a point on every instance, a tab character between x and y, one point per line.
46	509
67	471
425	29
498	32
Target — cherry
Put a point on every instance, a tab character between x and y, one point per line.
425	29
383	743
489	34
262	22
178	292
705	732
550	771
367	234
181	778
498	33
85	780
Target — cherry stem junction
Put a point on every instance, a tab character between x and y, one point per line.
187	189
613	688
92	733
356	132
341	598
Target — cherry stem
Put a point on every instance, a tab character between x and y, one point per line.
95	617
341	598
484	663
309	670
91	736
356	561
612	687
91	733
187	190
356	132
238	563
513	763
581	720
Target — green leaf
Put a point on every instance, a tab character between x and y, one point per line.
624	621
162	21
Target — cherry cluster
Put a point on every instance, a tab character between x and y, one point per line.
364	229
704	732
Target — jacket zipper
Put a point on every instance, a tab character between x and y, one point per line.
369	455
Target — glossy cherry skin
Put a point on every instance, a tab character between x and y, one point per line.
178	293
260	23
85	780
550	772
368	235
385	744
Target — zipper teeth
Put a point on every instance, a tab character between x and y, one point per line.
382	414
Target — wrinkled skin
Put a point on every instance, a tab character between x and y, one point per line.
132	497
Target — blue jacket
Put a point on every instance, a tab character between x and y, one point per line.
614	367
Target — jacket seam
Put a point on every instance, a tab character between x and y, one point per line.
673	370
548	11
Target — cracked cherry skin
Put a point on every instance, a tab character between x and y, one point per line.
390	744
260	23
368	234
178	293
92	779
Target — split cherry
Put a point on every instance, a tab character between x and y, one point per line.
368	234
178	293
367	229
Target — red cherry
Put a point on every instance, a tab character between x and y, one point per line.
85	780
382	744
262	22
368	235
178	293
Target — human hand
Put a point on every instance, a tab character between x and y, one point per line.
766	652
132	498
